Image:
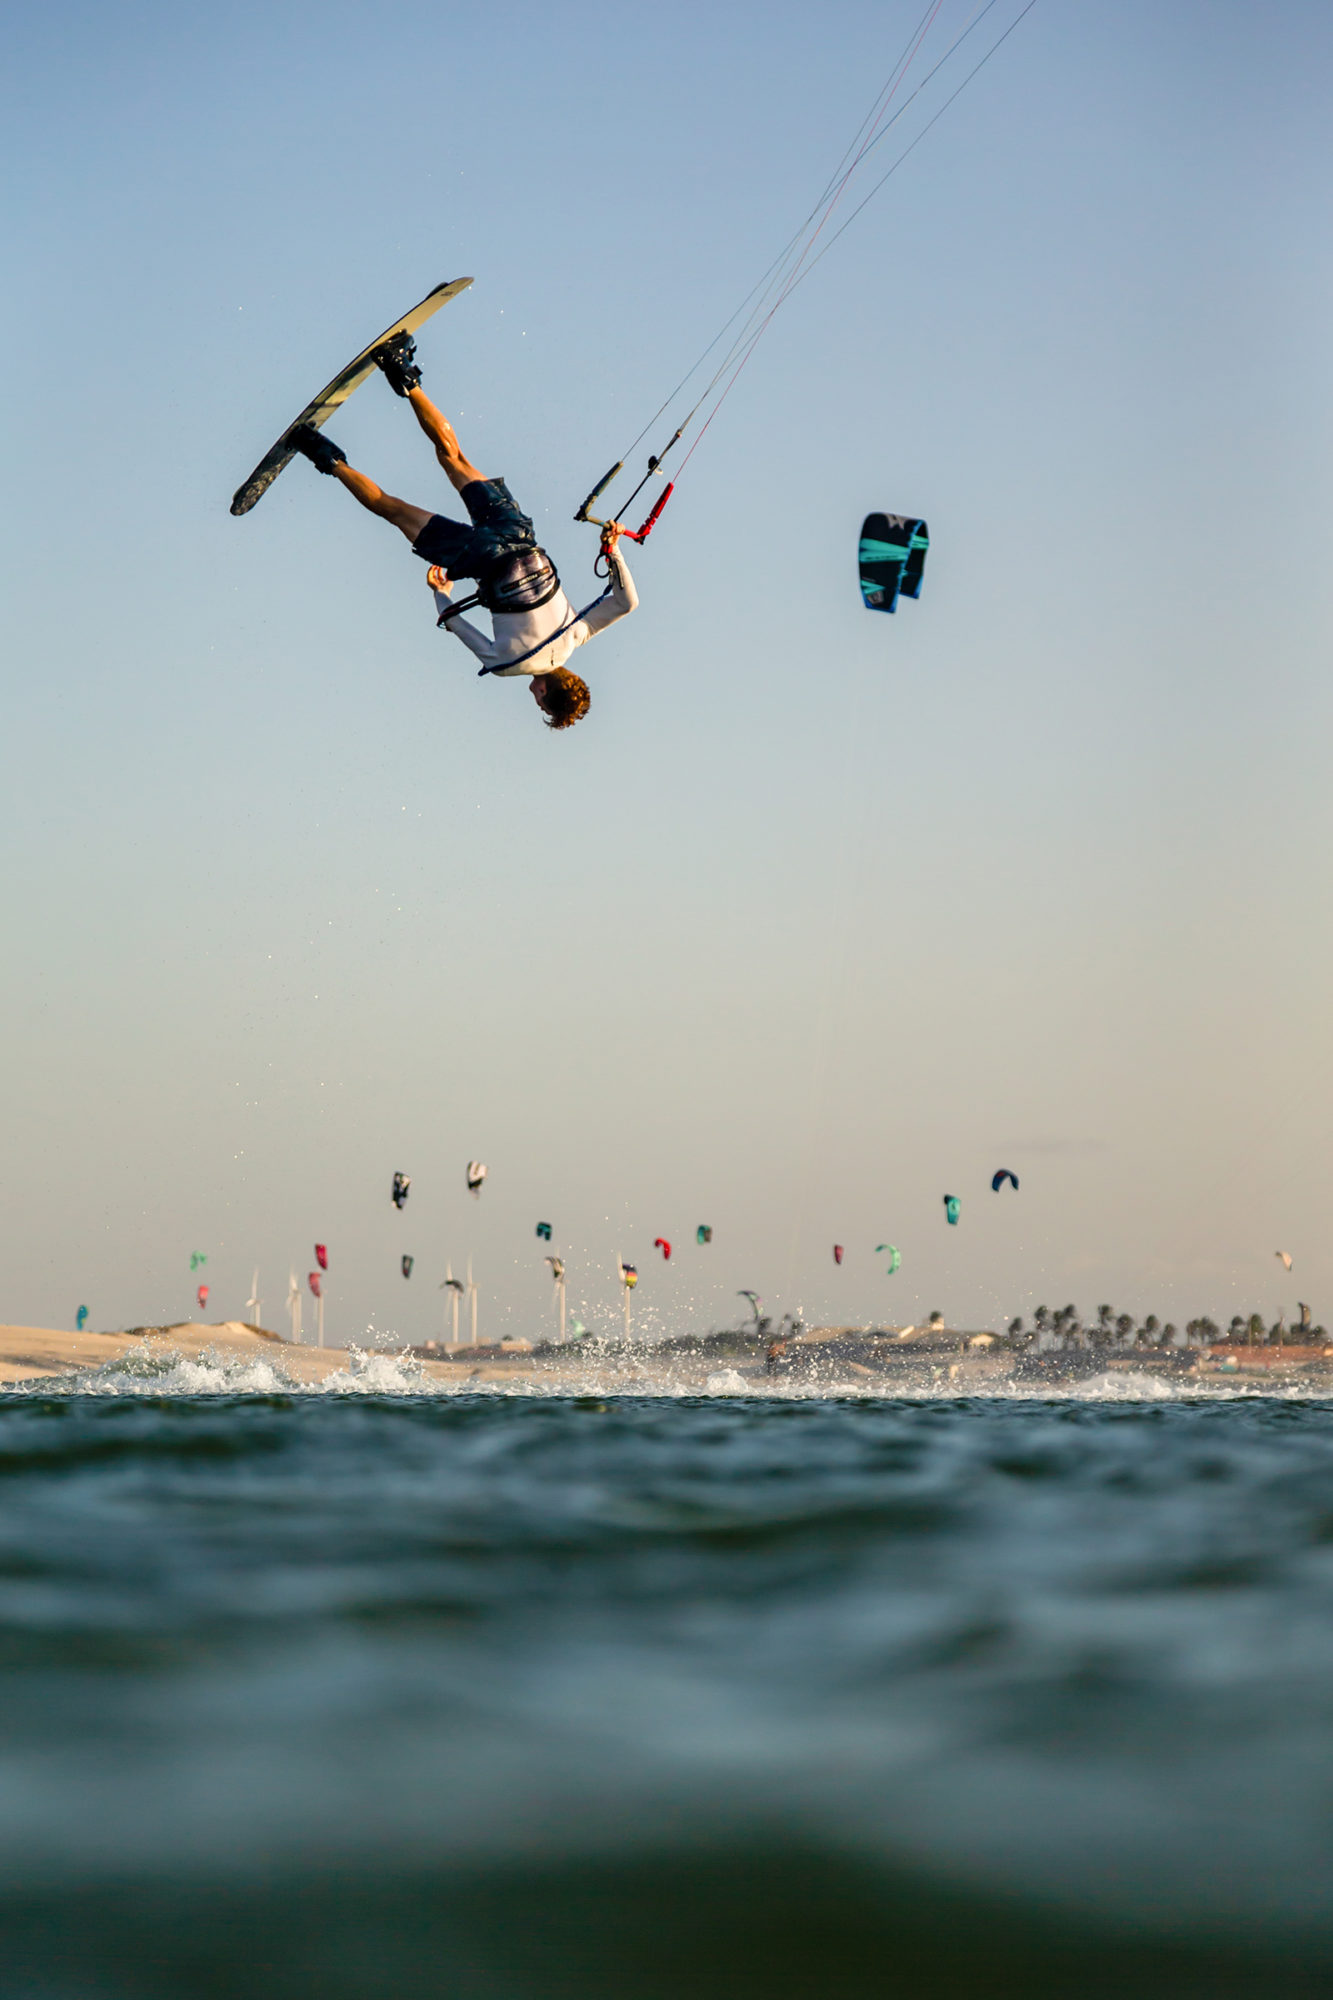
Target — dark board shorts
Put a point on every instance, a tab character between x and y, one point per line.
498	527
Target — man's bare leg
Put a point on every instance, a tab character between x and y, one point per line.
403	515
459	469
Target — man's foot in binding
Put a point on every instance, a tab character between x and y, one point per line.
322	452
397	365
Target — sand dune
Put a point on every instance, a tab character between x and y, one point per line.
30	1351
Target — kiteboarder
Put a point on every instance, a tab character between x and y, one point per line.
536	628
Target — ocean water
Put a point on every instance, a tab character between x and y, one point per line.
374	1692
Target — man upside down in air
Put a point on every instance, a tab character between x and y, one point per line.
535	627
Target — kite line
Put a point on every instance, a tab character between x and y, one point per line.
794	262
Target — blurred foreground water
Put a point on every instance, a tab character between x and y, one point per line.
637	1698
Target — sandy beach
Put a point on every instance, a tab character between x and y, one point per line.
831	1356
28	1352
823	1360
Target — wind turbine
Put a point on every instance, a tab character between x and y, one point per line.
454	1287
254	1301
472	1301
294	1307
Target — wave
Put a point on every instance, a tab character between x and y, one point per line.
154	1368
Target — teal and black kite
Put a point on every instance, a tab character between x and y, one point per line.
891	558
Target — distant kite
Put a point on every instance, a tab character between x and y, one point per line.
837	1253
1285	1255
81	1318
895	1257
401	1183
557	1265
321	1257
703	1234
755	1303
314	1283
476	1174
202	1296
544	1231
407	1266
998	1180
660	1243
629	1277
197	1257
951	1207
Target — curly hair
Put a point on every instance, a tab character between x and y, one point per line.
567	699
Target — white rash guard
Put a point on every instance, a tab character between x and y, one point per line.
517	633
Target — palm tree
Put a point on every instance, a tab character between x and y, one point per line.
1040	1317
1152	1325
1104	1317
1124	1326
1256	1327
1168	1334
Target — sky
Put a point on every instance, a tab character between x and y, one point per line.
820	914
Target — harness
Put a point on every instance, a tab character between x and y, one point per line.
523	580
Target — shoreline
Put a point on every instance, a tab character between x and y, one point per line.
36	1353
825	1360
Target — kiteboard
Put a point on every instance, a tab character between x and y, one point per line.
336	392
891	557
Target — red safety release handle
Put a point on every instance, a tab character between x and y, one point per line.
641	535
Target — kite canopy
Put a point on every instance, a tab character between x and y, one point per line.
313	1280
755	1301
703	1234
891	557
321	1256
660	1243
951	1208
557	1265
81	1318
997	1180
895	1257
544	1231
837	1253
476	1174
197	1257
629	1276
202	1296
401	1183
407	1266
1284	1256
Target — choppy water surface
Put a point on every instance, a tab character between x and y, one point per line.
480	1696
